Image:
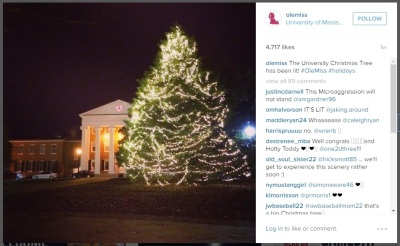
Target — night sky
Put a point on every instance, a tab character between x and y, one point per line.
61	60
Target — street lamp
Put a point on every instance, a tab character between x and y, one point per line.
79	152
250	131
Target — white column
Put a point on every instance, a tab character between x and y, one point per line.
87	149
111	152
97	152
84	152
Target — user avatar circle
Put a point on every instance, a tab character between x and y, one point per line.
273	18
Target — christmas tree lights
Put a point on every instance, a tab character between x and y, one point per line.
175	134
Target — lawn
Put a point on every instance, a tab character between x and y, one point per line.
119	196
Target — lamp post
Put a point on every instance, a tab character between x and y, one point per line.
249	131
79	152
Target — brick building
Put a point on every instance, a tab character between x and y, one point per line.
95	151
35	155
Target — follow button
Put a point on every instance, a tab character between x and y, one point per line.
370	18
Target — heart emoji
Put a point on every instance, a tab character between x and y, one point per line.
358	184
303	148
334	194
311	148
339	194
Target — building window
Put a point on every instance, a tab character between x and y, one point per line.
92	146
52	166
41	166
106	145
42	149
21	149
54	149
29	166
18	166
105	165
31	149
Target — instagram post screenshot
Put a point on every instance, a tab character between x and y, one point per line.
199	123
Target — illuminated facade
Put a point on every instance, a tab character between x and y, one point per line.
100	137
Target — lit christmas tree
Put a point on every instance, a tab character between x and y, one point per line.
175	131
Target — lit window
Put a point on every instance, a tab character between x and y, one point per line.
106	145
42	149
54	149
21	149
92	146
94	130
31	149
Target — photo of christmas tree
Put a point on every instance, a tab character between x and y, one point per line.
175	133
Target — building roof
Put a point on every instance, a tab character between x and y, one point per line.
117	107
45	140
